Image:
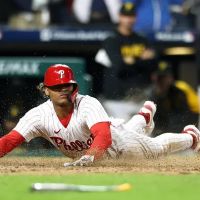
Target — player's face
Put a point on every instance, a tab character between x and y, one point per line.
59	94
127	21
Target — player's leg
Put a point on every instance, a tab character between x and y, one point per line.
143	121
143	146
171	142
195	133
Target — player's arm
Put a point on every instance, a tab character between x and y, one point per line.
102	139
98	122
112	48
99	125
9	142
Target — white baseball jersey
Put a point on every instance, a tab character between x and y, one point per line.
76	138
73	140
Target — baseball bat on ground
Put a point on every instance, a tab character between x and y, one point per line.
79	188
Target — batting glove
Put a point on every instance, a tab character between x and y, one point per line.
83	161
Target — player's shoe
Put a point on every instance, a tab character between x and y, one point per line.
148	111
194	132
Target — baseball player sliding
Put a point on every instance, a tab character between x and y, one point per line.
78	126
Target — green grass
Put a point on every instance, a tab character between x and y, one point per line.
145	187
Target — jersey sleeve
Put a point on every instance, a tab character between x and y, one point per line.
9	142
102	139
29	125
93	112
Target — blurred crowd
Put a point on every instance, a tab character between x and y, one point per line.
132	67
152	15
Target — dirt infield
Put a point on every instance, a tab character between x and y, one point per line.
47	165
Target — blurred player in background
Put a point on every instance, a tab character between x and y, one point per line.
176	100
127	56
78	126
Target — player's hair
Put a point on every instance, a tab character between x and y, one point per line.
41	88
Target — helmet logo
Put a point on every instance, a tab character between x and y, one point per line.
61	72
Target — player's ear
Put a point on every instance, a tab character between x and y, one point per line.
46	91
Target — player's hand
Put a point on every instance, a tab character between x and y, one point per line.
147	54
83	161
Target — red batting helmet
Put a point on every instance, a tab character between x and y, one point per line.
60	74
